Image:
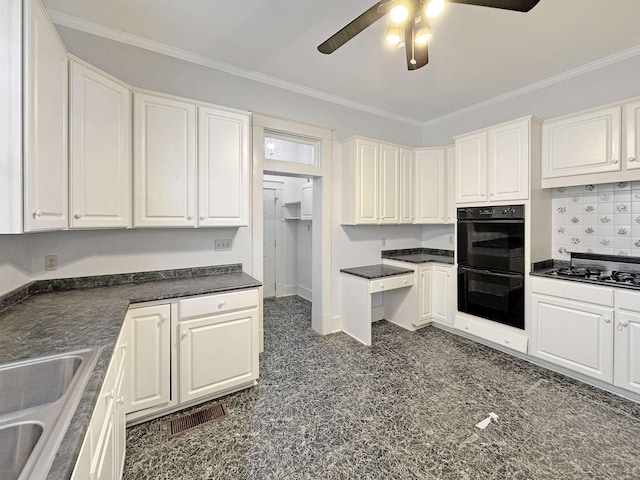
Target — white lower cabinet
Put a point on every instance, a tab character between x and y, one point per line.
424	291
443	290
102	453
627	341
573	334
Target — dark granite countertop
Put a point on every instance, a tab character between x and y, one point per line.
371	272
548	268
419	255
72	319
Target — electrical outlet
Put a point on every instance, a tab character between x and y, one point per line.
223	244
451	239
51	262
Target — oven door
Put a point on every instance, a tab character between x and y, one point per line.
491	244
492	295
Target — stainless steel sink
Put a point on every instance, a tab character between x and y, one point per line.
38	398
16	444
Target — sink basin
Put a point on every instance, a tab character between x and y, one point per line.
38	399
34	383
16	444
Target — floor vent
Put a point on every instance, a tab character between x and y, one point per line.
190	421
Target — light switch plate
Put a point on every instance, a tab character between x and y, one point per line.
223	244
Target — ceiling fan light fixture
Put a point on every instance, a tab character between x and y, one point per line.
434	8
393	35
422	33
399	12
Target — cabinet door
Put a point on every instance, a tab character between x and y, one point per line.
104	460
148	359
217	353
581	144
367	182
406	186
450	193
119	423
430	185
425	285
82	469
627	351
389	183
164	162
575	335
100	150
306	203
508	162
632	125
442	293
223	168
471	168
45	144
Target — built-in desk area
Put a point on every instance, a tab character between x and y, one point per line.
358	284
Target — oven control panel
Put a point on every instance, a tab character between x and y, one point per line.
503	211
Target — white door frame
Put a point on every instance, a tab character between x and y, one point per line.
277	186
321	318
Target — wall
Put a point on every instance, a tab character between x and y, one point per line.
608	84
438	236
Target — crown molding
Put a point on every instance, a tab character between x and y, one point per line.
561	77
93	28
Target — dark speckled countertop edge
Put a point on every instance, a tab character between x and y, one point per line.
42	323
372	272
419	255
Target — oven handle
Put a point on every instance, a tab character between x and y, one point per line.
494	221
491	272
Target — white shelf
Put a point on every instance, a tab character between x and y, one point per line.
292	204
290	218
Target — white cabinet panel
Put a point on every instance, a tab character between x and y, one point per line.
589	328
389	184
306	202
450	202
632	125
582	144
218	353
627	351
164	162
430	185
104	463
100	150
508	162
148	361
471	168
425	286
367	182
442	294
45	109
223	168
406	186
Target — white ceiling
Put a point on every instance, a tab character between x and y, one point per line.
476	53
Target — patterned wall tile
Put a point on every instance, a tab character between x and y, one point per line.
596	219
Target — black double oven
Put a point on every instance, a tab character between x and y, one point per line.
491	263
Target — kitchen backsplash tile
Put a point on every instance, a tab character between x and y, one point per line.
596	219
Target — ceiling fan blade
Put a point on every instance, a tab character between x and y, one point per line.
517	5
345	34
418	52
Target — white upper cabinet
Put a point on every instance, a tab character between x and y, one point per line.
493	165
100	150
406	186
430	185
471	168
389	184
164	162
508	162
632	125
45	122
360	177
450	203
223	168
582	144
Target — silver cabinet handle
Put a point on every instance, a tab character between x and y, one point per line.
631	159
614	161
37	213
77	216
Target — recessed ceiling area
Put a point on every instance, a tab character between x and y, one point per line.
476	53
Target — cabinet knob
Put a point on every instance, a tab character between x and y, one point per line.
124	346
77	216
466	327
492	194
506	340
189	217
614	161
631	159
120	400
37	213
381	286
606	319
109	395
163	318
622	324
183	336
406	281
202	217
220	303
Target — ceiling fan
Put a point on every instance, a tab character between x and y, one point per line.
409	24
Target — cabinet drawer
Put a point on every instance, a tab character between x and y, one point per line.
627	300
578	291
389	283
493	332
219	303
